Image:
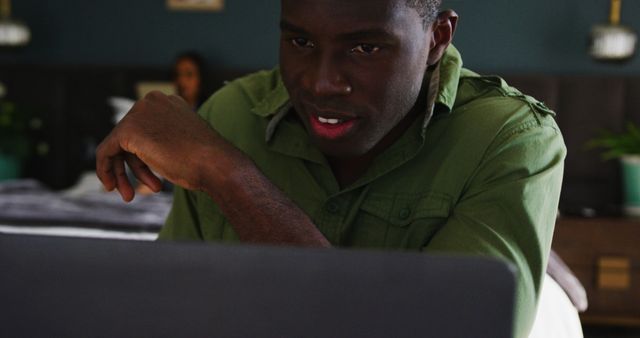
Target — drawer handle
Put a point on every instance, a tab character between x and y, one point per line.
614	273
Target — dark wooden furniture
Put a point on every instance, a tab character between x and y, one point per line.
604	253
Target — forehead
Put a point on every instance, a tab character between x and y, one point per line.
345	15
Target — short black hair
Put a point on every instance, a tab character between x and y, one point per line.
428	9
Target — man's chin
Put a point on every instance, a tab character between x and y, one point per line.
340	150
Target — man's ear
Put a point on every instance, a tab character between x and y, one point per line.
442	33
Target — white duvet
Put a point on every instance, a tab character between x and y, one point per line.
556	316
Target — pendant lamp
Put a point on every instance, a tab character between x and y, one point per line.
13	33
613	42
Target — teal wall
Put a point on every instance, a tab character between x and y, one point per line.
494	35
536	35
145	32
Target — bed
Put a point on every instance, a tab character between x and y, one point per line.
27	207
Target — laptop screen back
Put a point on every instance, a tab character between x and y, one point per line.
60	287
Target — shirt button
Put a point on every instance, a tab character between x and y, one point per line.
333	207
404	213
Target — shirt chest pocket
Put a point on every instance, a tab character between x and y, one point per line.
403	221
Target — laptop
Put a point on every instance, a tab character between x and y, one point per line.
65	287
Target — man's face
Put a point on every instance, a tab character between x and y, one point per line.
353	69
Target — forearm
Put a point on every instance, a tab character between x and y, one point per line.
161	132
258	211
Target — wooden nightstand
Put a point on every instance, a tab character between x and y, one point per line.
604	253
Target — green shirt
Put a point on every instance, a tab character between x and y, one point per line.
481	175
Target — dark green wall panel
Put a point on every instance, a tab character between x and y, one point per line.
494	35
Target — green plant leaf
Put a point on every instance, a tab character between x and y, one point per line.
615	145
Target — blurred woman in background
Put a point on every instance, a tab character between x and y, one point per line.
188	75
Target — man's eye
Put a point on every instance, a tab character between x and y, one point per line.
302	43
365	48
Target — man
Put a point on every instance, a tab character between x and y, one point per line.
370	134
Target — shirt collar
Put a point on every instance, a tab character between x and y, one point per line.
445	77
450	68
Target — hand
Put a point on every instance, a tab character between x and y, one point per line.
161	133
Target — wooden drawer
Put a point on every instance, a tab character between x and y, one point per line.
604	253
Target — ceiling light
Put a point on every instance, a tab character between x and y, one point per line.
613	41
12	33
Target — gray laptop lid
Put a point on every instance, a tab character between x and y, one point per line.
60	287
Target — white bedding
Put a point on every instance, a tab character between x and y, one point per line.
71	231
556	316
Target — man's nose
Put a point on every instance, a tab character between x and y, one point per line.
326	78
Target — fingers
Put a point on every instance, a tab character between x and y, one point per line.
104	164
145	136
122	181
143	173
115	151
110	168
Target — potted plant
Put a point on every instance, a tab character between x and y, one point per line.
626	147
14	143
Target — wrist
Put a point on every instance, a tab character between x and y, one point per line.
222	171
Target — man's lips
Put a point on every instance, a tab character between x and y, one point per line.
329	123
331	126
